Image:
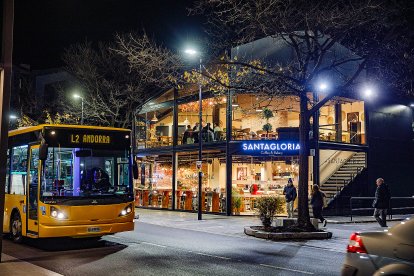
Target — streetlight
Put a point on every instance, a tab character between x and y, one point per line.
13	117
193	52
323	86
77	96
368	91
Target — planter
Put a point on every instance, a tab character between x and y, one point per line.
285	222
287	235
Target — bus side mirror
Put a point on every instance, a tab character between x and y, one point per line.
43	151
135	169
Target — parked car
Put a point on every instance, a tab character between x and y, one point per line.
390	252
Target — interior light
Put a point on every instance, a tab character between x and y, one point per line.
53	132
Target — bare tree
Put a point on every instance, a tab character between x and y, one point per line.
114	77
349	42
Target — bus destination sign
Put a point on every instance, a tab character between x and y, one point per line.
90	139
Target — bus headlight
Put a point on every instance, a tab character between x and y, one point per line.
127	210
56	213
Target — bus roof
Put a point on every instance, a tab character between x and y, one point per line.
39	127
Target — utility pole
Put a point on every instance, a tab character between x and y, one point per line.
5	92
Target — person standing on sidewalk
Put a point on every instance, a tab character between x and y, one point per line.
381	202
290	194
317	201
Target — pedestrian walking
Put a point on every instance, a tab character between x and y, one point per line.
317	201
290	195
381	202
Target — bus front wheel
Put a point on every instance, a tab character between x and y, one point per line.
16	228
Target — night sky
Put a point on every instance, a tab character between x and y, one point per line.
42	29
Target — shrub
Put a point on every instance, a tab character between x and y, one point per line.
267	208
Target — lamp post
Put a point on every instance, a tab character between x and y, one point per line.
193	52
77	96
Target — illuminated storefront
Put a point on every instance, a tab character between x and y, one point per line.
242	159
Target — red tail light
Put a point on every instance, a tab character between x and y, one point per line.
355	244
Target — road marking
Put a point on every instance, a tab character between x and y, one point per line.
209	255
287	269
154	244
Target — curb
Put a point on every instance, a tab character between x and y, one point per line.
287	235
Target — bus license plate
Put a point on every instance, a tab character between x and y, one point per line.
94	229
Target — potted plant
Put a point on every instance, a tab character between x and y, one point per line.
236	201
267	127
267	114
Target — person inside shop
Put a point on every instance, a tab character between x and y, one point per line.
196	127
290	195
188	136
217	132
254	189
381	202
317	202
207	133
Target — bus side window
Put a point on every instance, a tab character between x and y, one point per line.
18	170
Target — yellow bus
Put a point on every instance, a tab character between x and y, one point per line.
68	181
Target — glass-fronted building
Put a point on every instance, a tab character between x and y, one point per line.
241	159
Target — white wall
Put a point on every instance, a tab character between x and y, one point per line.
330	161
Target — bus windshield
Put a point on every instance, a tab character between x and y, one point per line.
75	172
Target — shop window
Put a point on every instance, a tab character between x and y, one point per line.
213	122
255	177
18	170
154	187
213	194
155	128
260	117
342	120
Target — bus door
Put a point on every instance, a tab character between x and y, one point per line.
33	192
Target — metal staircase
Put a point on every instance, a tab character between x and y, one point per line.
343	176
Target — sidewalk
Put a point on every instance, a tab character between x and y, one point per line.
228	224
11	266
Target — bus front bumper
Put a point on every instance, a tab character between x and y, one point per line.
83	231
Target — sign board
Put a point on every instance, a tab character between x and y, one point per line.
269	148
199	164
